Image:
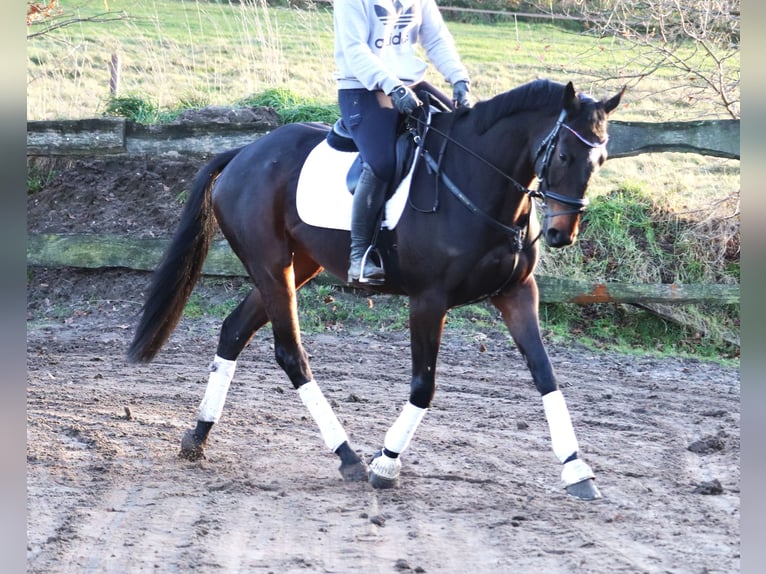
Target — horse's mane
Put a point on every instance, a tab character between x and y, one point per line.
536	95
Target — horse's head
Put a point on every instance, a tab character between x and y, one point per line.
567	158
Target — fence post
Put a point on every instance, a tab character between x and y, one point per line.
114	75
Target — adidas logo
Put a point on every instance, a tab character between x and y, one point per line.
399	19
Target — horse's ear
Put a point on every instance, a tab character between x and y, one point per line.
613	102
571	102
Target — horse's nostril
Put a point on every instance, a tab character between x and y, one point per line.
555	238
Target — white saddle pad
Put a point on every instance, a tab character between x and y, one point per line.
323	199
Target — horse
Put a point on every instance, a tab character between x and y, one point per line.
469	231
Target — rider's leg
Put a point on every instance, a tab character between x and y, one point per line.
369	198
372	121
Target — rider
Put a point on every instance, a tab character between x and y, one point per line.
376	65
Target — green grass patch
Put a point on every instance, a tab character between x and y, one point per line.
39	174
134	108
219	298
292	107
323	306
704	333
634	235
329	307
198	307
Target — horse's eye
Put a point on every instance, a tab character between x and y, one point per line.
563	158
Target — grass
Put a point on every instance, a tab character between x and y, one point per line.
629	330
135	108
220	53
38	176
292	107
654	217
633	234
325	306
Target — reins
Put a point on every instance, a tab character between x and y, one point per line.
420	142
544	153
515	232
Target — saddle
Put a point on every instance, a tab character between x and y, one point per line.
339	137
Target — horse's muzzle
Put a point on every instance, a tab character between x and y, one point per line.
557	238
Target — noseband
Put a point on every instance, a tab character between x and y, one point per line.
543	158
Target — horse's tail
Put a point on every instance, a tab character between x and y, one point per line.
180	269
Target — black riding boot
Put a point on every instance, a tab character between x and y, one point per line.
369	198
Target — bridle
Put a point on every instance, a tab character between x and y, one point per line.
543	158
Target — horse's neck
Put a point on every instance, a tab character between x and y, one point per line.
504	151
492	170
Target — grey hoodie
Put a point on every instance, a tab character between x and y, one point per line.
375	43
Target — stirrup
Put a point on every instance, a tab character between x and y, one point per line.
378	279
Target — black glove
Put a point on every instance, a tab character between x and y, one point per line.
460	94
404	99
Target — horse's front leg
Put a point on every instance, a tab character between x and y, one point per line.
519	308
426	324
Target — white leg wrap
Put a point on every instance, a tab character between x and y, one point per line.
386	467
221	374
563	438
329	425
575	471
401	432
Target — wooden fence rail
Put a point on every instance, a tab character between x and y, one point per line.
101	251
110	136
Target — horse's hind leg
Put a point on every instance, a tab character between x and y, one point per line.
236	331
280	297
519	311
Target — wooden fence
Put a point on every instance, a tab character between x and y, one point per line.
110	136
118	136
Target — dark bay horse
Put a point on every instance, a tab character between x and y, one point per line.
477	240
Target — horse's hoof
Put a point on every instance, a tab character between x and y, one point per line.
584	490
384	471
352	468
382	482
353	472
191	448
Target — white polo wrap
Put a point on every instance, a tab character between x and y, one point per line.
221	374
401	432
329	425
563	438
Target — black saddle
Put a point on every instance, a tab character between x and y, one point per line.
340	138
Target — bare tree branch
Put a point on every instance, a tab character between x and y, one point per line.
698	38
56	23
